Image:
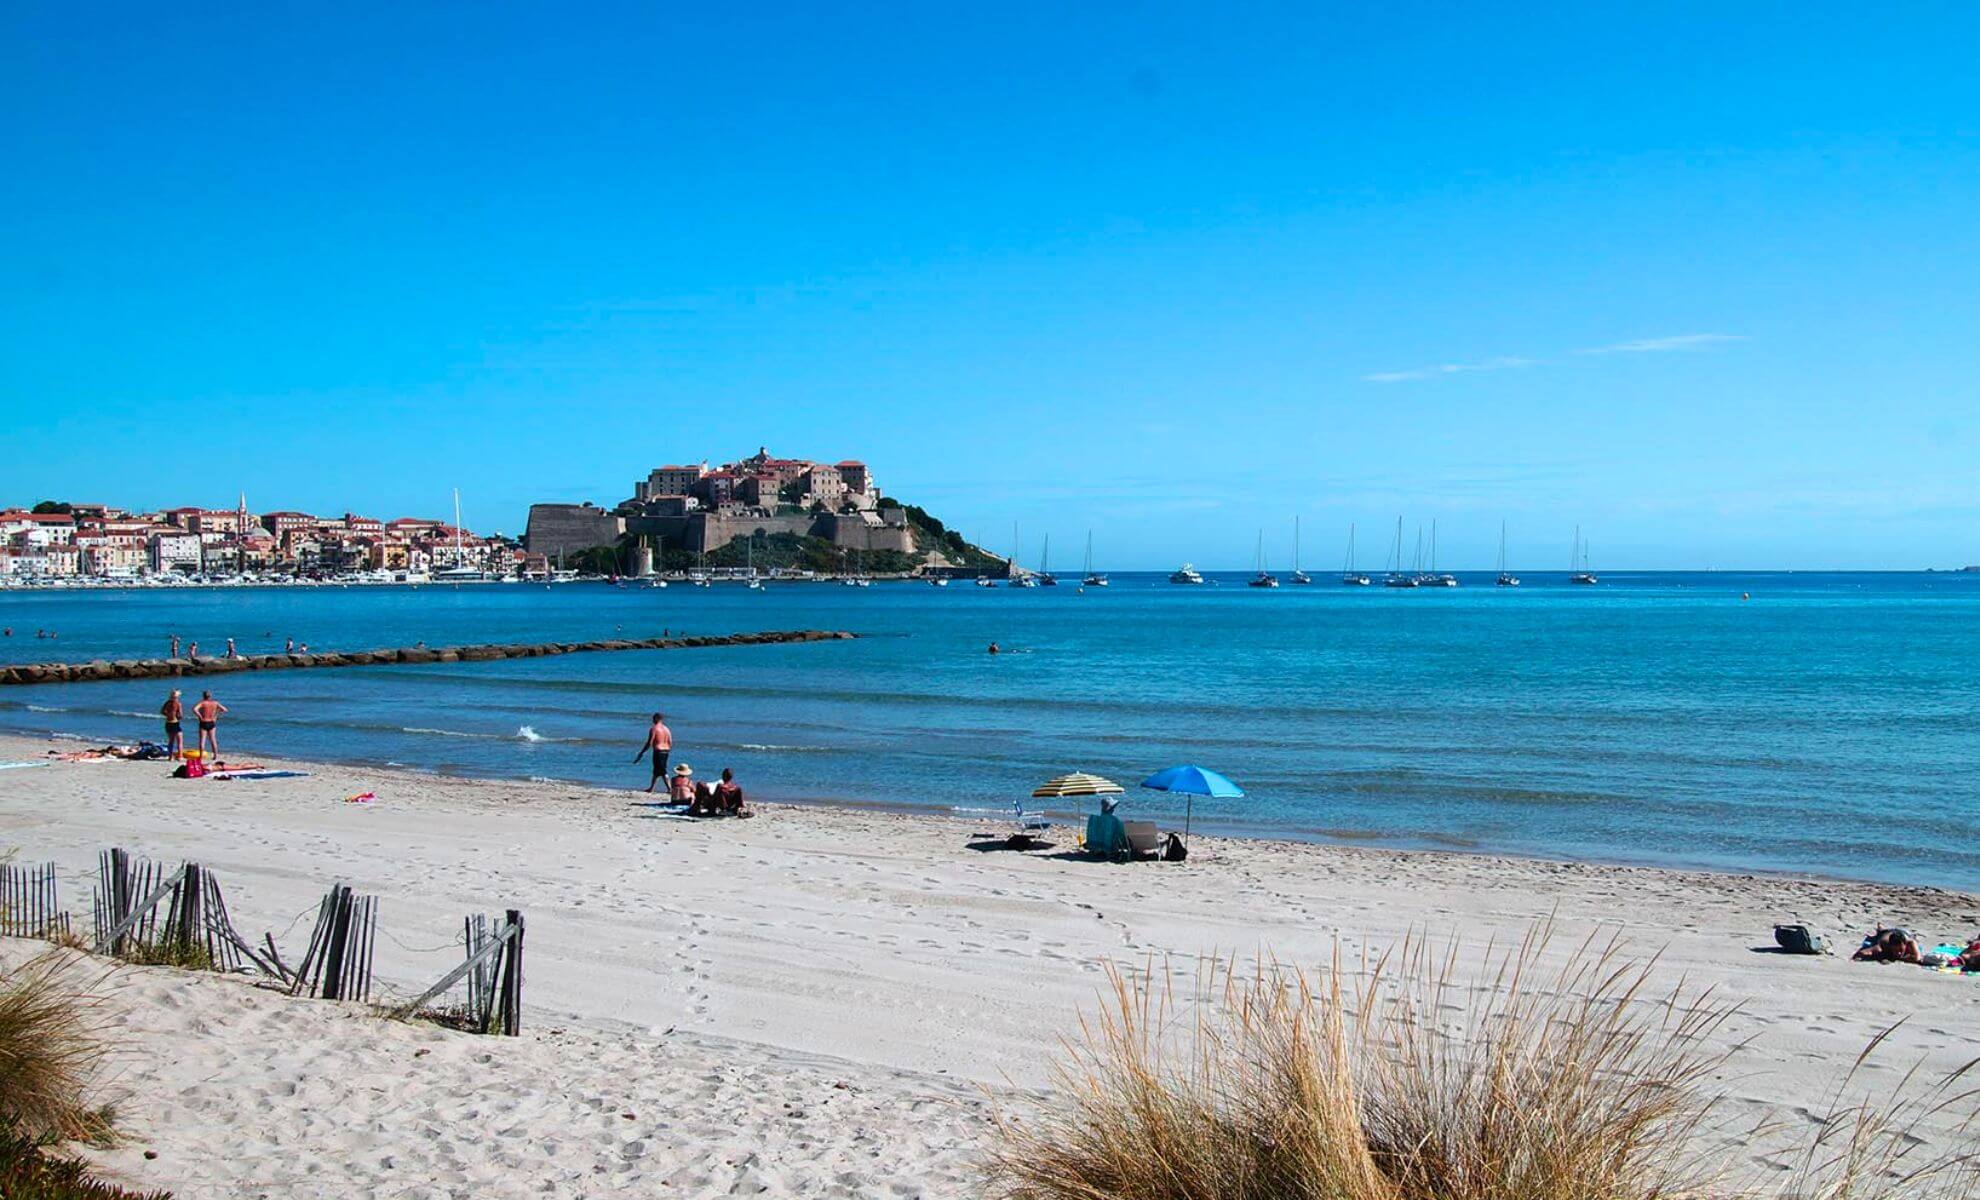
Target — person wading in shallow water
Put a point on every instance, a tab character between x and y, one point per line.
660	742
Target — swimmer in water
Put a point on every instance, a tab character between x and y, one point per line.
995	648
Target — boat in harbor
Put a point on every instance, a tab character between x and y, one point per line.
1186	574
1397	577
1434	577
1349	576
1045	576
1019	578
1264	578
1298	576
1579	573
1092	578
1506	578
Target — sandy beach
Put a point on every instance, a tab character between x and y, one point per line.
817	1001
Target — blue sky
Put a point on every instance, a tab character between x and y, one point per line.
1704	279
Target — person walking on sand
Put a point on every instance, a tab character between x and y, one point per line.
660	743
208	712
174	712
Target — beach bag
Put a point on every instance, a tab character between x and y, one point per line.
1796	939
1175	850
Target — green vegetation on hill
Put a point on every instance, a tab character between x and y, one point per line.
930	534
790	551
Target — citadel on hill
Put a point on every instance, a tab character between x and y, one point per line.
791	508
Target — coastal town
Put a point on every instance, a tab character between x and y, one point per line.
58	543
780	517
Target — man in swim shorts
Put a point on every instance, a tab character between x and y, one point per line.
174	712
660	741
208	711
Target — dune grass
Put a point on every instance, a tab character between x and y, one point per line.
51	1042
1413	1079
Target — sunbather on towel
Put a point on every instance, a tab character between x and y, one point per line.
728	794
1888	945
1969	960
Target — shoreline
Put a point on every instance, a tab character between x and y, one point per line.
1204	827
907	952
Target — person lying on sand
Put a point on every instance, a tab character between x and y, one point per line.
1888	945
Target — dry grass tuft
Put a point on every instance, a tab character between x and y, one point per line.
1409	1081
51	1042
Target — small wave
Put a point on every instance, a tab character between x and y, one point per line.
125	712
45	708
997	812
771	748
528	734
546	779
441	732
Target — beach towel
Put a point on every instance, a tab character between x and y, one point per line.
260	773
360	798
15	766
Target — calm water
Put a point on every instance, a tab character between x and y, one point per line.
1831	724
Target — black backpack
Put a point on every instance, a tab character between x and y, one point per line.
1175	850
1796	939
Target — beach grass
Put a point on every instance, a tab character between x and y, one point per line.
1413	1078
52	1040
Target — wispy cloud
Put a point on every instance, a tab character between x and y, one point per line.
1442	369
1660	345
1656	345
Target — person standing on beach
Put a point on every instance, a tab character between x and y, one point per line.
174	712
192	650
230	649
208	712
175	645
660	742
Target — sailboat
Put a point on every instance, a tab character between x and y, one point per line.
1093	578
460	572
1298	576
1396	577
1506	578
1045	576
749	555
699	576
1264	578
1435	578
1018	577
1349	576
1578	563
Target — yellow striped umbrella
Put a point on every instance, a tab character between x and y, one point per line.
1076	784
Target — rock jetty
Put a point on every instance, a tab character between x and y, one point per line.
158	668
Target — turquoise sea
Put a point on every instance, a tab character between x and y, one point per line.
1828	724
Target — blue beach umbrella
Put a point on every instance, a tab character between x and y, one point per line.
1192	782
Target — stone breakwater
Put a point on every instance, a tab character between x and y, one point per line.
156	668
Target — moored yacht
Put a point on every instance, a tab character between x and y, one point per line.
1264	578
1506	578
1349	576
1578	563
1093	578
1298	576
1185	574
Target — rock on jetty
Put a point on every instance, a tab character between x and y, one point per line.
156	668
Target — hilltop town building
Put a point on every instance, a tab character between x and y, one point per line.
693	508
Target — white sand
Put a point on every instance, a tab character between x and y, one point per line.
715	979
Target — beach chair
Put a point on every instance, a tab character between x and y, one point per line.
1030	826
1143	839
1105	835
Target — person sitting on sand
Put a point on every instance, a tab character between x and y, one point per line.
680	789
1969	958
174	712
1888	945
728	793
